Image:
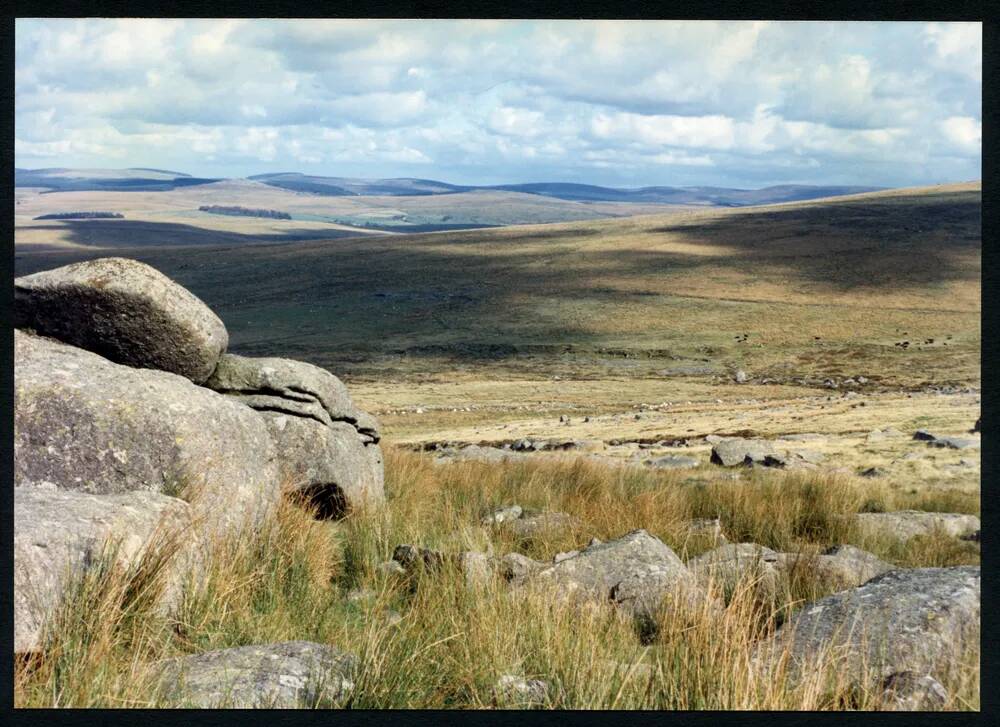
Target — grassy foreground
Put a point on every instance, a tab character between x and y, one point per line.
435	643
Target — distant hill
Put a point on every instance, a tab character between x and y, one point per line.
151	180
710	196
58	179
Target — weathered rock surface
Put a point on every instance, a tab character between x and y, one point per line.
733	452
59	534
286	675
842	565
284	385
517	569
636	572
728	565
915	620
909	692
905	524
85	423
328	467
707	527
125	311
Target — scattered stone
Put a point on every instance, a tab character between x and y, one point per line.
734	452
546	523
862	380
741	376
873	472
636	572
126	312
843	565
915	619
971	537
475	453
390	568
511	690
909	692
286	675
710	527
674	462
811	456
728	565
713	438
476	569
516	568
503	514
413	558
803	437
906	524
922	435
954	443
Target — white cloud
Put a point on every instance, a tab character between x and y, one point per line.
606	102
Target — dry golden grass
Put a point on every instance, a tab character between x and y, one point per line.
450	645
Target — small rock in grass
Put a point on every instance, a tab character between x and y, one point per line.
516	690
503	514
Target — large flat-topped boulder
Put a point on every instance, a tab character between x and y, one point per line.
125	311
917	620
84	423
287	386
59	534
285	675
331	468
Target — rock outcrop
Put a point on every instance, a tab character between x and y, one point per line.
125	311
286	675
84	423
916	620
113	429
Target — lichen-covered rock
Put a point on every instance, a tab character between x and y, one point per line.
330	468
291	387
286	675
917	620
637	572
906	524
125	311
733	452
59	534
84	423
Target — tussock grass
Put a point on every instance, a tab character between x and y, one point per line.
433	642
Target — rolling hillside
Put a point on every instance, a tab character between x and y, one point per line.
817	288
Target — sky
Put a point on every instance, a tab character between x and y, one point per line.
621	103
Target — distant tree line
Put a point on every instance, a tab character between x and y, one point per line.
244	212
82	216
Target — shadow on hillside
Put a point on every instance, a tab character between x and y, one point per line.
142	233
440	293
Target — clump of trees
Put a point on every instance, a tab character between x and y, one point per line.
237	211
82	216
